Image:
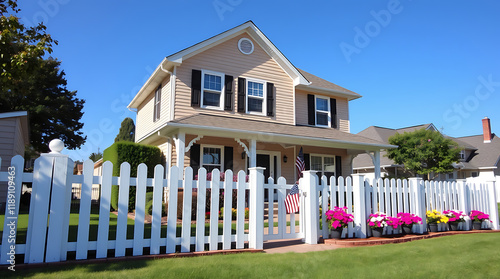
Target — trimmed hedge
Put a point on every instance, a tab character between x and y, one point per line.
134	154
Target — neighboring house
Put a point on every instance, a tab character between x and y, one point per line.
479	156
14	136
235	101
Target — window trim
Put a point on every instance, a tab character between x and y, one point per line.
322	156
221	98
264	96
221	147
157	104
462	155
329	114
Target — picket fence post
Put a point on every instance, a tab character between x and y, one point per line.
493	204
358	184
311	204
416	202
256	218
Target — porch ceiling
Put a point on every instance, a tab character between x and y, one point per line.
219	126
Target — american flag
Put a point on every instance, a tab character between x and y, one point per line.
300	164
292	200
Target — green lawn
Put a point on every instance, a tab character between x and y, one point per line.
459	256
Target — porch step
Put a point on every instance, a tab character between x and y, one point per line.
266	208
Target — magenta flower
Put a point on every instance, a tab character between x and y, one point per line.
338	217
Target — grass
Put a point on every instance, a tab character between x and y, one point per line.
459	256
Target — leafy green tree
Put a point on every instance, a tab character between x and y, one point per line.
424	152
127	131
95	156
30	82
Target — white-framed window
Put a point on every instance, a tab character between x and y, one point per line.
325	165
256	96
461	155
212	157
212	88
157	104
322	106
474	174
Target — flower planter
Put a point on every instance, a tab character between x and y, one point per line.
336	233
407	229
453	226
433	227
476	225
377	232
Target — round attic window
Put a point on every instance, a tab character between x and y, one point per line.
245	46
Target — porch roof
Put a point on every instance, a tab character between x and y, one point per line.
211	125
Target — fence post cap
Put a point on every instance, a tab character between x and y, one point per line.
56	146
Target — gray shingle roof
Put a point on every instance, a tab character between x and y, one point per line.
319	82
487	154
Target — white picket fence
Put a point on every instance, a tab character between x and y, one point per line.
411	196
52	181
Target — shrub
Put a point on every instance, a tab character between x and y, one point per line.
149	208
134	154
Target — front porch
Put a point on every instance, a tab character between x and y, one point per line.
230	143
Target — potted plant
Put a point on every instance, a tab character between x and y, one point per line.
435	217
477	218
454	218
377	222
408	220
338	219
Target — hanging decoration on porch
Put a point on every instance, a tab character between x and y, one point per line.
300	164
292	200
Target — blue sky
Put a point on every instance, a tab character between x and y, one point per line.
414	62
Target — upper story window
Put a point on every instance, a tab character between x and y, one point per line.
157	104
212	86
322	112
256	96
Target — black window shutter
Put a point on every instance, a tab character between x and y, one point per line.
195	88
228	158
307	161
270	99
311	109
194	158
333	110
242	83
228	94
338	166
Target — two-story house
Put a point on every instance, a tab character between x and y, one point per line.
234	101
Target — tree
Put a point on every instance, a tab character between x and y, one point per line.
30	82
95	156
127	131
424	152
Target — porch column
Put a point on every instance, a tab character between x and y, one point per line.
180	149
376	163
252	153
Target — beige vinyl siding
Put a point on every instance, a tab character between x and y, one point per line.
7	141
227	59
301	110
144	121
19	140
